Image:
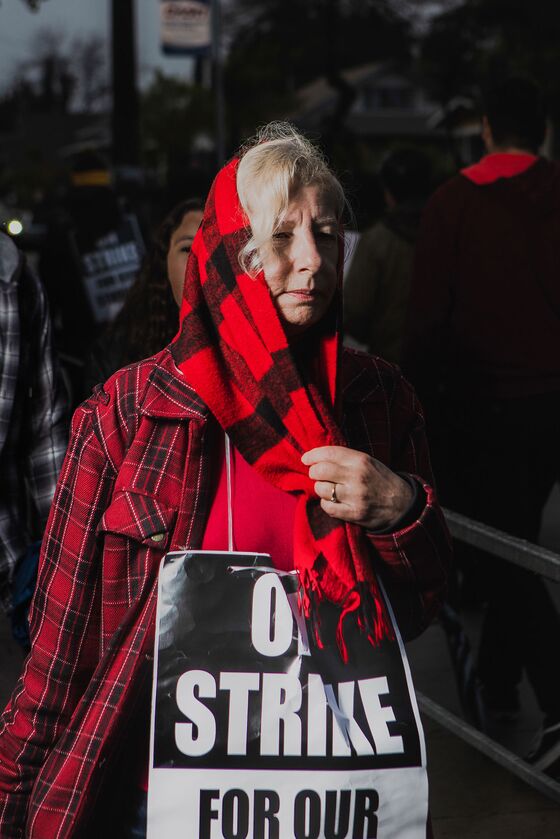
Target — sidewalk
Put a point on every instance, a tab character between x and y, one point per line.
473	798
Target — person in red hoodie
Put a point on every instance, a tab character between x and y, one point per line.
483	350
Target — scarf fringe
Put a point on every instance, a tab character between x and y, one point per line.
364	598
310	596
373	619
352	603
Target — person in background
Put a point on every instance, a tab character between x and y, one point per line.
33	430
90	257
483	350
377	287
149	317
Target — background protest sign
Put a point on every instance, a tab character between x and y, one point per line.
110	268
258	733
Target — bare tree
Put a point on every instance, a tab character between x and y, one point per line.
90	66
33	4
61	75
53	65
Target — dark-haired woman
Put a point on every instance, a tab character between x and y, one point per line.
148	319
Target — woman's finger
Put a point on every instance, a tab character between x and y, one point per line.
326	470
335	454
325	489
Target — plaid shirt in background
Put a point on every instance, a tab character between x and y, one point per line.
33	429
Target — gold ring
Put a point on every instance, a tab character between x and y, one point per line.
334	499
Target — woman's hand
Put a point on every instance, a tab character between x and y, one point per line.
366	491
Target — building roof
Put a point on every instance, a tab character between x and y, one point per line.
387	102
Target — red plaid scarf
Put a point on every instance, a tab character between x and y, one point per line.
233	351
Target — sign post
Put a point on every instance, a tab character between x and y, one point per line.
192	27
125	113
218	82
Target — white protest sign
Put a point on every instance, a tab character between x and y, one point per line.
110	268
253	736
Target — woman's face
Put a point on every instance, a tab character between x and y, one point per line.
300	266
179	249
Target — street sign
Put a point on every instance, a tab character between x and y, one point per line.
185	27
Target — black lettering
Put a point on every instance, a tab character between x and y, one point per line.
207	814
235	814
365	808
334	830
307	815
267	805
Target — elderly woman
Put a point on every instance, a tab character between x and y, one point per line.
331	477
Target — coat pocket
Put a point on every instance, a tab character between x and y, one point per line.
140	517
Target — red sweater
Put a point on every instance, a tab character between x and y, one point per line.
485	298
255	504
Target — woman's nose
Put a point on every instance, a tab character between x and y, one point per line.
308	257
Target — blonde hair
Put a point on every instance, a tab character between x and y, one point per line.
274	165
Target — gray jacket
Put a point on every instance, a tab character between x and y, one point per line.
33	412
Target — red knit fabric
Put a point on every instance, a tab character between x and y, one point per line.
232	349
498	165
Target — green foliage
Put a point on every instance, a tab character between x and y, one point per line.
173	114
34	5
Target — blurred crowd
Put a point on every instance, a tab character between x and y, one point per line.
455	282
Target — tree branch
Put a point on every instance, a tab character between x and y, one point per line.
34	5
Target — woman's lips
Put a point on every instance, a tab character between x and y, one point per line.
304	294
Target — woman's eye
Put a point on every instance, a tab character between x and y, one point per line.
186	249
281	234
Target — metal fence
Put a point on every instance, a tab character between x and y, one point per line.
529	556
533	558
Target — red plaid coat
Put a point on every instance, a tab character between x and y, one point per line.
134	485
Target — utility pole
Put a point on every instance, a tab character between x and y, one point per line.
125	121
218	82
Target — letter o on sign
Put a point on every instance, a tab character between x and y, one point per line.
271	619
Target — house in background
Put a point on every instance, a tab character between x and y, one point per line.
387	105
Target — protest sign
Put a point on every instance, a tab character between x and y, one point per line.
258	732
109	269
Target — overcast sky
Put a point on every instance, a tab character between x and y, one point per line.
18	25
